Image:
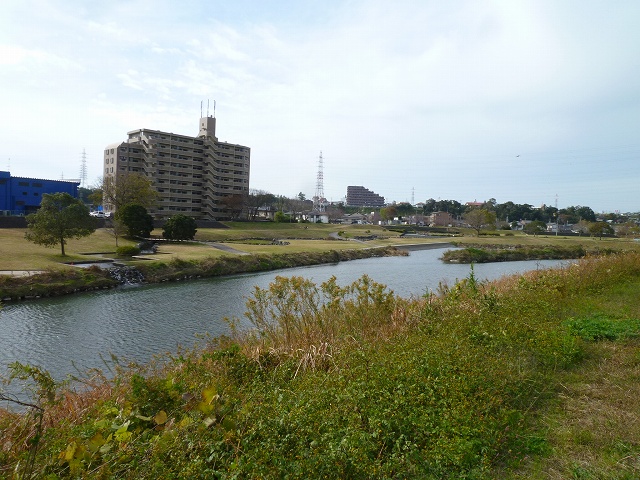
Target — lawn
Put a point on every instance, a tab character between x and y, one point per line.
16	253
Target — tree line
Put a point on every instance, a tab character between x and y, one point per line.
62	217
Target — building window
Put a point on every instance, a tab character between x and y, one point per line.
23	184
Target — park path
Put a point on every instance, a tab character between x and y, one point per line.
226	248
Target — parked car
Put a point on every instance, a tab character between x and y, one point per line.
97	214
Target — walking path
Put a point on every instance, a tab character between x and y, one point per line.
226	248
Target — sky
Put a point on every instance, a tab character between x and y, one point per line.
535	102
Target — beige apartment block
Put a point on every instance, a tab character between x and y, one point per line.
192	175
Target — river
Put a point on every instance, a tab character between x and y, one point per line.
70	334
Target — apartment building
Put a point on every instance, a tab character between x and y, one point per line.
192	175
358	196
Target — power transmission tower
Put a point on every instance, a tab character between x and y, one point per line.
83	169
319	200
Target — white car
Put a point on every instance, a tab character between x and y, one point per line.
97	214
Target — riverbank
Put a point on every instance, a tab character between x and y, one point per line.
500	253
533	376
69	281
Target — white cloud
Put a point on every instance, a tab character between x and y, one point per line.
439	96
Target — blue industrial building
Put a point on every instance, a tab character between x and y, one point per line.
22	196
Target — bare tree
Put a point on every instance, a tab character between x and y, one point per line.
234	204
258	199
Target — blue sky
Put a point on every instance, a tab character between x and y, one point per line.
533	102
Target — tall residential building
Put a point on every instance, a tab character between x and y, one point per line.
194	176
362	197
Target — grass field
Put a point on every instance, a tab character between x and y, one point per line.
16	253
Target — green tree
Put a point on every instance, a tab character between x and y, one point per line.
59	218
405	209
479	218
128	189
577	213
388	213
535	227
598	229
453	207
179	227
137	220
280	217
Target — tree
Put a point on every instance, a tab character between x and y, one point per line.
179	227
405	209
535	227
257	199
629	229
116	228
137	220
581	227
600	228
578	213
478	218
280	217
234	204
59	218
127	189
453	207
388	213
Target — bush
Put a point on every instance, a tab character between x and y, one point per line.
127	251
179	227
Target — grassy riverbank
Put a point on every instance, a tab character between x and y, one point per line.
534	376
494	253
56	282
250	247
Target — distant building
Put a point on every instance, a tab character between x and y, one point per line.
22	196
358	196
192	175
440	219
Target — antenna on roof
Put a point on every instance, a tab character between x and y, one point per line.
214	109
207	107
200	108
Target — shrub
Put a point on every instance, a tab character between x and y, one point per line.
127	251
179	227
